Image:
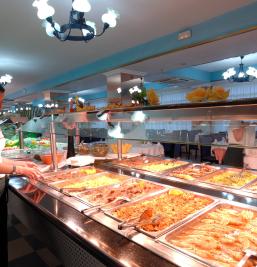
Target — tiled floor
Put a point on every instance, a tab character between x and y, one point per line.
25	249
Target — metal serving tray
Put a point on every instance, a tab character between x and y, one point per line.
182	227
113	187
151	196
131	162
170	173
249	185
205	178
63	186
67	174
142	166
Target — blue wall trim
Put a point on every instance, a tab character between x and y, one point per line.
228	23
155	86
94	96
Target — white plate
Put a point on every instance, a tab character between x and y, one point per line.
80	161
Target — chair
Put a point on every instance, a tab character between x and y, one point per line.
193	147
183	138
205	142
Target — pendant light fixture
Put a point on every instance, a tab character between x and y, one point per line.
77	21
241	75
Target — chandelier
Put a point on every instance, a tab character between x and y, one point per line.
241	75
77	21
5	80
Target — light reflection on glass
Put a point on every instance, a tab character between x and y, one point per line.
248	200
94	242
74	226
125	262
230	197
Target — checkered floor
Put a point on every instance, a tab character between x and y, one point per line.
25	249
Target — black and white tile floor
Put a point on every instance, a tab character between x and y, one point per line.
25	249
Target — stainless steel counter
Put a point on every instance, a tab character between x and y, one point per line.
98	234
218	191
107	246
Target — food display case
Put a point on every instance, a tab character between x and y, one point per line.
160	211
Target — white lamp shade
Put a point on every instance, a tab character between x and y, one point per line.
49	30
81	5
6	78
91	24
252	72
85	32
44	10
110	18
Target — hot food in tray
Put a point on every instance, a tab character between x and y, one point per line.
70	173
231	177
135	161
90	182
192	171
159	212
161	166
130	189
220	237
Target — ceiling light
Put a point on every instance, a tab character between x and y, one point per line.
138	116
77	21
5	79
102	115
240	76
110	18
44	10
116	132
82	100
81	6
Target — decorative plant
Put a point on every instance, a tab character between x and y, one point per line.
138	94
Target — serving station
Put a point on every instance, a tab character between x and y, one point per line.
146	211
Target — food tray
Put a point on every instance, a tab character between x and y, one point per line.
206	179
189	172
132	162
162	166
209	226
251	187
111	192
176	191
69	174
68	185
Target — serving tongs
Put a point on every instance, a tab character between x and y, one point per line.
100	207
145	218
248	254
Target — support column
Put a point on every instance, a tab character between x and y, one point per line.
124	79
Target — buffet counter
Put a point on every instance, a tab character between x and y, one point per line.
77	239
144	211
